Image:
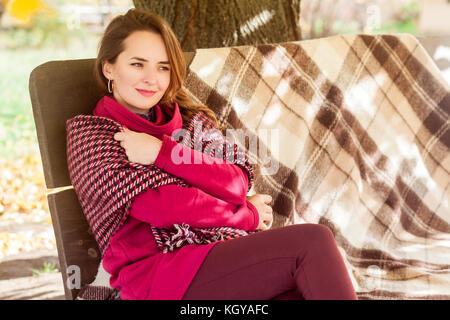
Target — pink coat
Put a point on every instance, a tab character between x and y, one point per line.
217	197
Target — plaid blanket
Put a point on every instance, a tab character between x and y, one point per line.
351	132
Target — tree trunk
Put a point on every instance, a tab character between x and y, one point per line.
224	23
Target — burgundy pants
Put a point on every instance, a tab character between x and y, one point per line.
295	262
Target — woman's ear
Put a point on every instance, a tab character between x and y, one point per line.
107	70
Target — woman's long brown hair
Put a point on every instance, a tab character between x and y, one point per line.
112	44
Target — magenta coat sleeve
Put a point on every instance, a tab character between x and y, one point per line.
217	177
171	204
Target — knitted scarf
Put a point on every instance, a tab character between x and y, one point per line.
106	182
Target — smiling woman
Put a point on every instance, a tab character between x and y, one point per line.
139	85
170	229
141	51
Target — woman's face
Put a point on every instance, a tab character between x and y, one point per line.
141	73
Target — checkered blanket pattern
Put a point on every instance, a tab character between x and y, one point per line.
352	132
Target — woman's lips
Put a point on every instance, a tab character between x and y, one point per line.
146	93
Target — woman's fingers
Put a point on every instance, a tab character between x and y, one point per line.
265	211
120	136
267	217
267	198
263	227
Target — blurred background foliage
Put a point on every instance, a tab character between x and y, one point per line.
33	32
322	18
36	31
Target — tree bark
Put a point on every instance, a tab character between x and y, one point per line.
224	23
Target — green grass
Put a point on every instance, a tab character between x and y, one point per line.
408	26
47	268
17	129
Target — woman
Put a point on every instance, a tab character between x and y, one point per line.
171	229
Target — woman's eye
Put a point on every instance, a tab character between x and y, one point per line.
137	64
164	68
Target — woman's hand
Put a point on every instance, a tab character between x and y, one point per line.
261	201
140	147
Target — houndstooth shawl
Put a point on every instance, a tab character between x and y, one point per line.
106	182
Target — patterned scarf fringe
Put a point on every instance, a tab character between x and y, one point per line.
91	292
179	235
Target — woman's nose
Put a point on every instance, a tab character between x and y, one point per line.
150	77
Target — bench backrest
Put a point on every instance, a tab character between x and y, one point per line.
59	91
